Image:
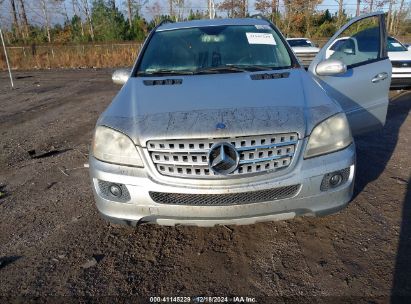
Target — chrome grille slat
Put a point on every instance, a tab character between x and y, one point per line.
189	158
306	58
265	159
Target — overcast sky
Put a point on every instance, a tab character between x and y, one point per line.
35	14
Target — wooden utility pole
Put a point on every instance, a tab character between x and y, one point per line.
389	14
357	12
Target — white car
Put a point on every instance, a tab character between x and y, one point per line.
400	57
304	49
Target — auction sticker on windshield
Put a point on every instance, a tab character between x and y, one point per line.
260	38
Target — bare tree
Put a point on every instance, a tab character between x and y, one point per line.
301	11
86	10
76	12
15	19
234	8
389	14
23	16
179	14
211	9
340	12
170	8
401	15
130	13
46	18
267	7
357	12
155	11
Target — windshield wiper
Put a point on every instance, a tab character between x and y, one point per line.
164	72
252	67
220	69
234	68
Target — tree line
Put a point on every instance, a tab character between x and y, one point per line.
81	21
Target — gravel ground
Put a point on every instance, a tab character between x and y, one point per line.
53	242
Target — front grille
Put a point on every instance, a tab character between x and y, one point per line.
401	64
306	58
224	199
189	158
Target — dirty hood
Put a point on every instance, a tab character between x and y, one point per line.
194	107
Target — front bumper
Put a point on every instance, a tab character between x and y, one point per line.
401	78
309	200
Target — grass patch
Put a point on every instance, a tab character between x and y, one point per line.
72	56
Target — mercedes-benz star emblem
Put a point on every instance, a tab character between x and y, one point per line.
223	158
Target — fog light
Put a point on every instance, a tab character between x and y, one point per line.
115	190
335	180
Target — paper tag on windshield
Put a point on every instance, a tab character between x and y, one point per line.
260	38
396	44
262	27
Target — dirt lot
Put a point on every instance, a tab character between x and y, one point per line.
53	242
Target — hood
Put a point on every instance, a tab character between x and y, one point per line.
192	106
305	49
400	56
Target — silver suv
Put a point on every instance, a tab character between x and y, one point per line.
217	123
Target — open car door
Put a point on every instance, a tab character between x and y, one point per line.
358	73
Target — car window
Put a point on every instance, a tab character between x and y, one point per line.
337	44
300	43
362	44
393	45
196	49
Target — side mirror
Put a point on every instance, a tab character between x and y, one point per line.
121	76
349	51
330	67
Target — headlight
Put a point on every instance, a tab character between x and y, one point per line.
114	147
331	135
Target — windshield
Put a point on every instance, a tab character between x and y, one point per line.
393	45
214	49
300	43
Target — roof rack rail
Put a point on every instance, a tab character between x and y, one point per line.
166	20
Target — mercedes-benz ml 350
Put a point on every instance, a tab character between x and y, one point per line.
218	123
